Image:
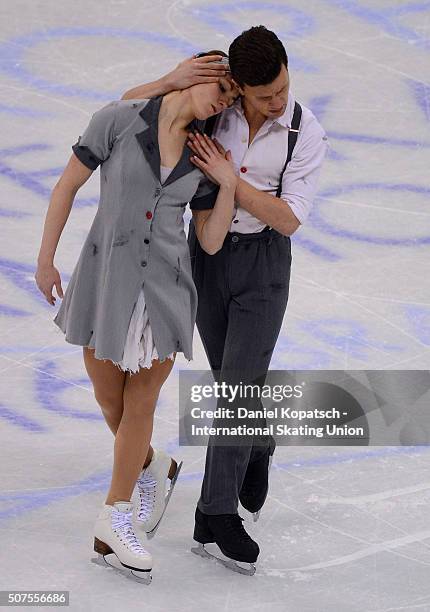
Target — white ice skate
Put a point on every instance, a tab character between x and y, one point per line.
113	534
151	486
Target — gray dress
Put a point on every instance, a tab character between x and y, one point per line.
137	239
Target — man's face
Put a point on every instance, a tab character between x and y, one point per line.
270	100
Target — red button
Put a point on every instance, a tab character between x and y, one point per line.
243	169
149	215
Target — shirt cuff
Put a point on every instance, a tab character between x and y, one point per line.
301	211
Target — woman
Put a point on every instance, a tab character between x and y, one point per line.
131	301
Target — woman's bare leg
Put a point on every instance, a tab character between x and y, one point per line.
134	433
108	382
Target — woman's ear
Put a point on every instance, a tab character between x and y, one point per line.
239	88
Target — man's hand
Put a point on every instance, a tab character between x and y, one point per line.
192	71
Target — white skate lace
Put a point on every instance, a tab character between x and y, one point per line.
121	522
147	488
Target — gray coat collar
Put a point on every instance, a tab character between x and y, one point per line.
148	140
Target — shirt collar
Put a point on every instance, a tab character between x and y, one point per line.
284	120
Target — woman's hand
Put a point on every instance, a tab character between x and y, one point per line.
211	158
192	71
46	277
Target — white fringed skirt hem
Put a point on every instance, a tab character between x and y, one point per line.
139	349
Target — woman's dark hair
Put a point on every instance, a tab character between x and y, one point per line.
213	52
256	57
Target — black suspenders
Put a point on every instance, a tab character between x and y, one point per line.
292	139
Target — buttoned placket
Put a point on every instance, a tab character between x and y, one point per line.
149	216
244	140
148	140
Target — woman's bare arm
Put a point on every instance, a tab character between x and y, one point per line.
190	71
63	194
212	225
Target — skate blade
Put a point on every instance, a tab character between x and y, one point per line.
256	515
135	575
248	569
151	534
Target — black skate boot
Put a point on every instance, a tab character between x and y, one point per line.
227	531
255	485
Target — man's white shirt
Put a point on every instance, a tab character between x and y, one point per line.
261	163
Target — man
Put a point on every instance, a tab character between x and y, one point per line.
243	288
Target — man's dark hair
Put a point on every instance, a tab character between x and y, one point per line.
256	57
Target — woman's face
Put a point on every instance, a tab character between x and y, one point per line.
211	98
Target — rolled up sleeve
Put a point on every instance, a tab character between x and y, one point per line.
300	180
205	196
95	144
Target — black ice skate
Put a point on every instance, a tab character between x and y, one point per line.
227	531
256	482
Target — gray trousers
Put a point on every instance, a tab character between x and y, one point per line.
242	296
